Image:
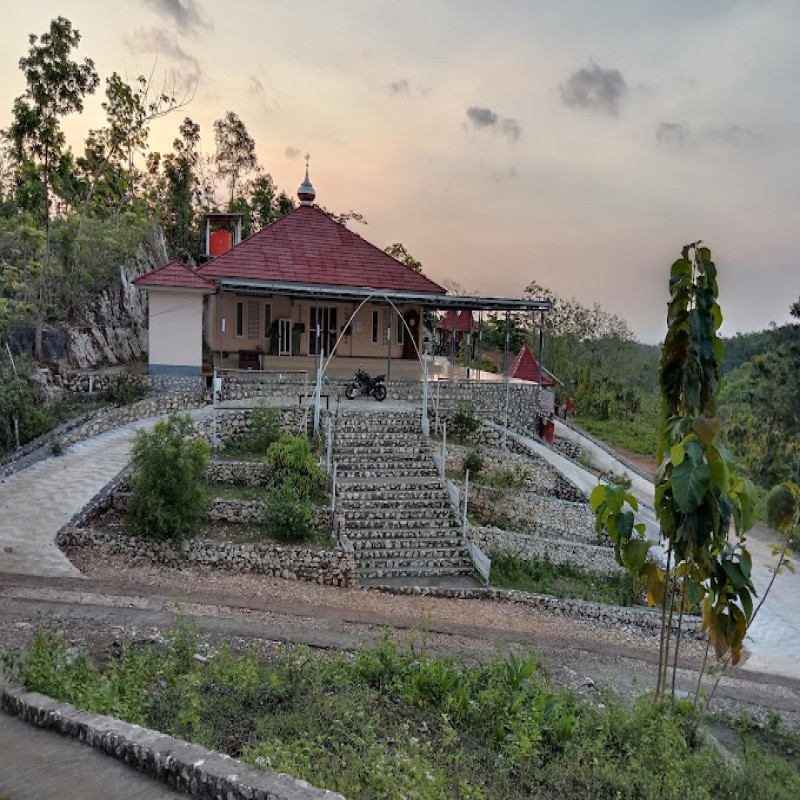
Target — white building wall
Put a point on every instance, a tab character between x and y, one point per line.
176	332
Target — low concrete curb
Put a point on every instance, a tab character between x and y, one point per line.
185	767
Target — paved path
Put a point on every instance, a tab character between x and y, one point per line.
35	763
774	640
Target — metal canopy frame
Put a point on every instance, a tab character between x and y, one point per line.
426	299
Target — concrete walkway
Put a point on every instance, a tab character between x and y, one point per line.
36	763
37	502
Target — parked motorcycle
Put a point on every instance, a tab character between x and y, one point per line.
362	383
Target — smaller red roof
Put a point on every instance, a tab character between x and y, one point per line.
175	275
526	368
462	321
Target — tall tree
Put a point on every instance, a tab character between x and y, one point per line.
56	86
182	187
794	309
236	151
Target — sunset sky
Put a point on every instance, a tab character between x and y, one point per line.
576	143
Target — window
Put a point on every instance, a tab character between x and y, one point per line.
376	326
267	319
239	332
401	329
253	323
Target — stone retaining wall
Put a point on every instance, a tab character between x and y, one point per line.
242	473
639	619
108	419
326	567
188	768
529	512
593	558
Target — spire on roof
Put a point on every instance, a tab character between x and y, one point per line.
306	191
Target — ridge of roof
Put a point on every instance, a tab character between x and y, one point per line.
175	274
307	246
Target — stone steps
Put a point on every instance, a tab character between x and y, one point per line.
397	514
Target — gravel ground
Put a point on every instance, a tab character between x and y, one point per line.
119	599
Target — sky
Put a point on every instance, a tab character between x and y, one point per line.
578	144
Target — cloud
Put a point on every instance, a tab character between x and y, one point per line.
736	135
399	87
485	118
183	13
673	134
594	89
292	153
152	40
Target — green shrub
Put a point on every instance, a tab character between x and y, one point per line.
508	478
168	489
291	461
473	461
465	422
264	430
125	390
288	517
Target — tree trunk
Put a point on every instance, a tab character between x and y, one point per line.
37	342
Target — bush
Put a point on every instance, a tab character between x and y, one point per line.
291	461
288	517
168	489
465	422
125	390
473	461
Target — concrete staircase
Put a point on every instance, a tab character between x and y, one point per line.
397	514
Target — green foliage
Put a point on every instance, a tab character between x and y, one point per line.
387	723
292	462
398	251
697	493
473	461
168	489
125	390
465	422
515	477
264	430
288	516
542	576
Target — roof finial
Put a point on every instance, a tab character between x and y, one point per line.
306	191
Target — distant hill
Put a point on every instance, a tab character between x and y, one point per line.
741	348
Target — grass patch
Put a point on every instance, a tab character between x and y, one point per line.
392	722
541	576
638	436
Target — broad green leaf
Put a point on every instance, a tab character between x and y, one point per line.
635	554
676	454
720	473
597	497
734	572
783	506
693	448
689	485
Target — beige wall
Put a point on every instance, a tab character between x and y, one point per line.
175	331
254	331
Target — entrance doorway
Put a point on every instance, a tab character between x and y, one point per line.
328	331
412	320
284	337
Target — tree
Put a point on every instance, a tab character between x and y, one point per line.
398	251
236	151
494	334
182	187
56	87
697	492
794	309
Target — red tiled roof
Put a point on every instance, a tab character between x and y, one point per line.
526	368
307	246
177	275
462	321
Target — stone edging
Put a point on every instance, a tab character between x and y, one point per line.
181	765
644	620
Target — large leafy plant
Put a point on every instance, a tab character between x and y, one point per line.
697	491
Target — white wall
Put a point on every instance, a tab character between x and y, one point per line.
176	331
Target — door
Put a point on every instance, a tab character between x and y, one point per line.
284	337
412	320
328	332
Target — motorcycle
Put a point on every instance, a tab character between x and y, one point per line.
362	383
